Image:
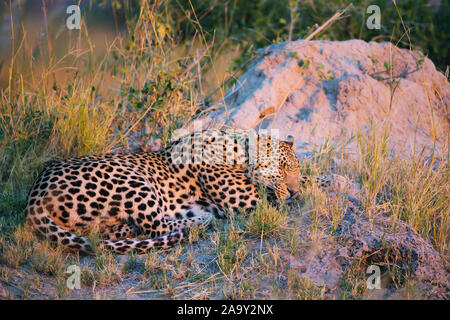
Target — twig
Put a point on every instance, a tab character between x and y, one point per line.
401	75
197	60
134	124
233	76
215	106
293	11
199	74
327	23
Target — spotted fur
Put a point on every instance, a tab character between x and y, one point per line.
157	194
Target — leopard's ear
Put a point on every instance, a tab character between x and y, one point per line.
289	140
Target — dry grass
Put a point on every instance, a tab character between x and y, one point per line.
266	220
16	251
231	251
303	288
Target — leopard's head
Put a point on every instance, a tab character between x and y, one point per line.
278	168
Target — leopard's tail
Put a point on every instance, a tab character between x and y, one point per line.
142	246
44	223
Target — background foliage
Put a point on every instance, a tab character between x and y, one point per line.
259	23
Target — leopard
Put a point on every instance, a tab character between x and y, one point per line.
160	195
